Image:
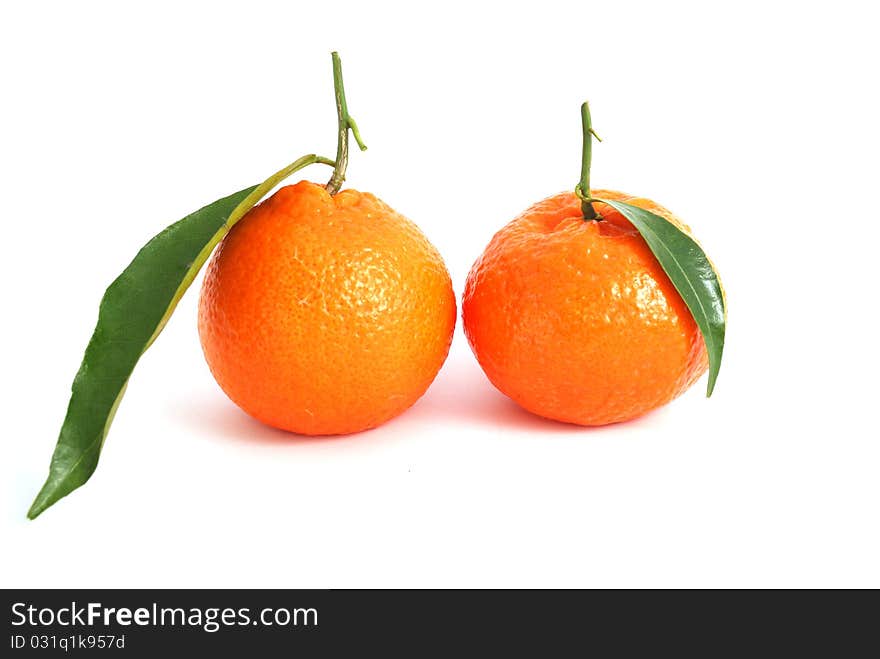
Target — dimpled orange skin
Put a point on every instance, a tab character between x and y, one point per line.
576	321
325	315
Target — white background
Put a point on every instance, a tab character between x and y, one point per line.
757	124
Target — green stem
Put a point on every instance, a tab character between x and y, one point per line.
583	187
346	123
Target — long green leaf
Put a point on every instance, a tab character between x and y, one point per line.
133	311
691	273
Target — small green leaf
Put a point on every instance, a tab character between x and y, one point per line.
691	273
133	312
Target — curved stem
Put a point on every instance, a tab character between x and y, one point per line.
276	178
583	187
266	186
346	123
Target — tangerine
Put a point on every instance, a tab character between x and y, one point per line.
576	320
325	314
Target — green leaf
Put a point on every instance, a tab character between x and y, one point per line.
691	273
133	311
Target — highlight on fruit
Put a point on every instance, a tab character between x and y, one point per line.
595	306
323	311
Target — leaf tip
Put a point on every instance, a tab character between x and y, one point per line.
35	510
710	386
43	500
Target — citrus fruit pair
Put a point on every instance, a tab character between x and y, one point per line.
327	313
